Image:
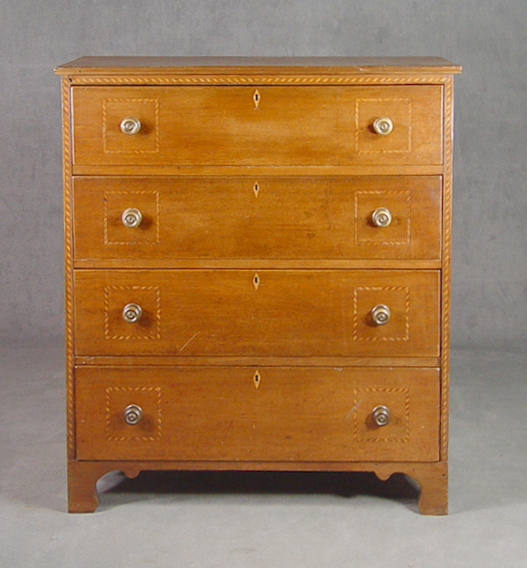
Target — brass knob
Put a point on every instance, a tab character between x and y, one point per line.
381	415
133	414
132	313
381	217
131	217
383	125
381	314
130	125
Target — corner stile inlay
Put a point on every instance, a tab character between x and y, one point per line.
68	265
445	273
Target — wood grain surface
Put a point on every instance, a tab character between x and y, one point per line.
209	125
224	414
287	218
257	266
209	65
301	313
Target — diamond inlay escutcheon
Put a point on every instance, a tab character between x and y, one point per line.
256	99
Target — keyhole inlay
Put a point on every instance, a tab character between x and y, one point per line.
256	99
256	281
257	379
256	188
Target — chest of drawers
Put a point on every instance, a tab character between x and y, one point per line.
257	266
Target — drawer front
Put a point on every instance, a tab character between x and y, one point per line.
280	313
264	218
269	414
267	125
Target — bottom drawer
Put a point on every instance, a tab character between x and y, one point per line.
249	414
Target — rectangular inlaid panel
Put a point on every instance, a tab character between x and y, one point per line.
243	413
245	313
267	125
258	217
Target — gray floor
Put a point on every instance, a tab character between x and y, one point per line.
251	520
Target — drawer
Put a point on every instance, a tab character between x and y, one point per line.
268	414
268	125
264	218
245	313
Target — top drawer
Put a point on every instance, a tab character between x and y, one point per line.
263	126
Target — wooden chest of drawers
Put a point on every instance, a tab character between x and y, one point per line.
257	266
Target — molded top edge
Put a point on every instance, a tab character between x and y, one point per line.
166	65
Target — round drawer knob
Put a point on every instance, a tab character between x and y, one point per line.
383	125
381	217
131	217
381	415
381	314
132	313
133	414
130	125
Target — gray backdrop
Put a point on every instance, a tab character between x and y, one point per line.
487	37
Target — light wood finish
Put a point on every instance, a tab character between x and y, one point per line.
224	414
432	477
68	266
224	126
261	218
286	313
338	362
274	264
318	67
257	295
231	171
447	261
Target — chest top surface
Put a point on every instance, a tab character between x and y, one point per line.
167	65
